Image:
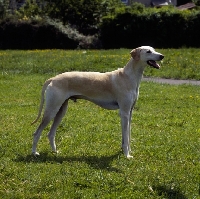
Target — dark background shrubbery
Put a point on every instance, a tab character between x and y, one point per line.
105	24
26	35
161	29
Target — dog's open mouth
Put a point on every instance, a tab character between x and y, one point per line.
153	64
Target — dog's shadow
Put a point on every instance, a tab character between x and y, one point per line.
103	162
169	193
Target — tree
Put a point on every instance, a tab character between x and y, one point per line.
84	14
4	4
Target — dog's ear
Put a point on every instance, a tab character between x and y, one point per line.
135	53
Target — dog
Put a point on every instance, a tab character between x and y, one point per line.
118	89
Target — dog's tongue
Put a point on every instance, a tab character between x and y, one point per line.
154	64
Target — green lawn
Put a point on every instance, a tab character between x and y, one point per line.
178	63
165	134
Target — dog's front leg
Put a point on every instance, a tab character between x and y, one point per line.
125	123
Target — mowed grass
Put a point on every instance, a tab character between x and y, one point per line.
90	164
178	63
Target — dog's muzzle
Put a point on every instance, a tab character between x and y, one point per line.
153	63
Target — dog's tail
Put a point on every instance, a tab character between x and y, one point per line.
42	100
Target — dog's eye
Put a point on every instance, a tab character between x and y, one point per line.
148	51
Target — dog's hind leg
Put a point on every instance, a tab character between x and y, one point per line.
49	114
38	132
54	101
56	122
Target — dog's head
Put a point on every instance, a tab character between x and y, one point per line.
147	54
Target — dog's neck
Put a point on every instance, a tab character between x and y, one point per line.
134	69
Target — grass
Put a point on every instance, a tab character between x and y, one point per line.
165	136
178	64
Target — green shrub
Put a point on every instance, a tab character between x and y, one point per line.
4	5
165	28
116	25
29	33
29	9
83	14
138	7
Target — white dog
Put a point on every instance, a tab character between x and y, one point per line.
118	89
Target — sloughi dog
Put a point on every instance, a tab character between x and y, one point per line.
118	89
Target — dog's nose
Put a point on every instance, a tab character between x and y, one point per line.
162	56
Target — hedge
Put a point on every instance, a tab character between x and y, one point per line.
24	35
161	29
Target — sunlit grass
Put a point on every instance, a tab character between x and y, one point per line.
178	63
165	145
165	135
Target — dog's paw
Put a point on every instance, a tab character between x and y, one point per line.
129	156
55	152
126	150
35	154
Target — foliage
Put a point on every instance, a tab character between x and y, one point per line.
85	14
161	28
137	7
197	2
34	33
90	164
29	9
84	41
111	23
4	5
27	34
